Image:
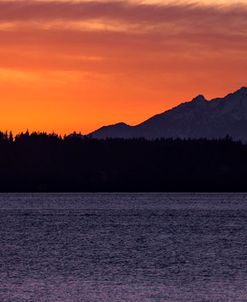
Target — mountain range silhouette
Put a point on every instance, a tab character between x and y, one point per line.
198	118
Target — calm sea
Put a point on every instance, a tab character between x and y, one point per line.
123	247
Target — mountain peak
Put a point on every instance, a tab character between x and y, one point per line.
240	94
121	125
199	98
242	91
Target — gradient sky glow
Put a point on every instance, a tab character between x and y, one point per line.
76	65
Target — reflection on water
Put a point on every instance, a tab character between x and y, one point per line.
123	247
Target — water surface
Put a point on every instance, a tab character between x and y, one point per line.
123	247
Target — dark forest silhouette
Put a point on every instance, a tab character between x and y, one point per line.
48	162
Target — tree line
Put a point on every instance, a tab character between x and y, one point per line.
41	162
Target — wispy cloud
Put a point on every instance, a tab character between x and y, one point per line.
122	22
134	12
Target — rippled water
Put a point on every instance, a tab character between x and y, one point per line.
123	247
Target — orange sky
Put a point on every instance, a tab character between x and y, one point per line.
77	65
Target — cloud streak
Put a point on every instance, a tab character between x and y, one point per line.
76	22
134	12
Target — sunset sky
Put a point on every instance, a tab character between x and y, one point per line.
77	65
